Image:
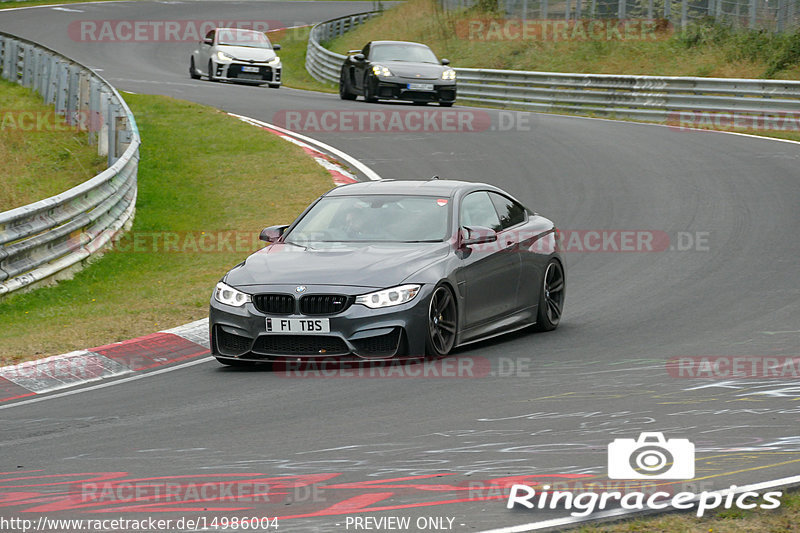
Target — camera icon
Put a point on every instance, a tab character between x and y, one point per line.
651	457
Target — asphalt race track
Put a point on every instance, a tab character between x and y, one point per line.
528	406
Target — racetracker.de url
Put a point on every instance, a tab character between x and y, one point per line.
215	523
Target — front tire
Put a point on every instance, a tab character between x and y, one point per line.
442	322
193	71
551	297
344	90
369	95
274	85
446	104
211	71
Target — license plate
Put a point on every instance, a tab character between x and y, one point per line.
420	86
298	325
250	69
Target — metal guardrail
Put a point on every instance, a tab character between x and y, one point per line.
321	63
52	236
651	98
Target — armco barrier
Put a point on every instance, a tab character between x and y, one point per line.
321	63
45	238
652	98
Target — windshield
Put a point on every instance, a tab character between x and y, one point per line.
374	218
403	52
248	38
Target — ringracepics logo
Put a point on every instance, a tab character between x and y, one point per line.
158	31
650	457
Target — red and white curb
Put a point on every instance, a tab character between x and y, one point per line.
84	366
316	148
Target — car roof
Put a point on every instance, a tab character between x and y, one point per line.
433	187
399	42
239	30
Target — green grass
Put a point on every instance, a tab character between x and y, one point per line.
781	520
200	171
702	50
293	57
40	158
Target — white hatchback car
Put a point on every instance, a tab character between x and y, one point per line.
237	55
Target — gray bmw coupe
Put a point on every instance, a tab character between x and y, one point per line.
390	268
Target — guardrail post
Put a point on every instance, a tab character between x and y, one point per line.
622	6
103	134
52	80
112	131
578	7
94	110
73	95
684	13
61	88
544	9
84	115
27	65
650	9
566	9
753	6
667	9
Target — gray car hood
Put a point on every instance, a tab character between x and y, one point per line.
378	265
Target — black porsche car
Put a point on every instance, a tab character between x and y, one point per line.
397	70
391	268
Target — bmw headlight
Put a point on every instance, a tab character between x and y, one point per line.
222	56
380	70
227	295
449	74
389	297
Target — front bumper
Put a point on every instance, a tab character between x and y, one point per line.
397	88
235	71
358	332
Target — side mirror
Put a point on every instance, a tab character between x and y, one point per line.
276	47
208	41
272	233
477	235
359	57
445	61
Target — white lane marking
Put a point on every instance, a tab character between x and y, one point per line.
107	384
68	9
55	5
368	172
571	520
